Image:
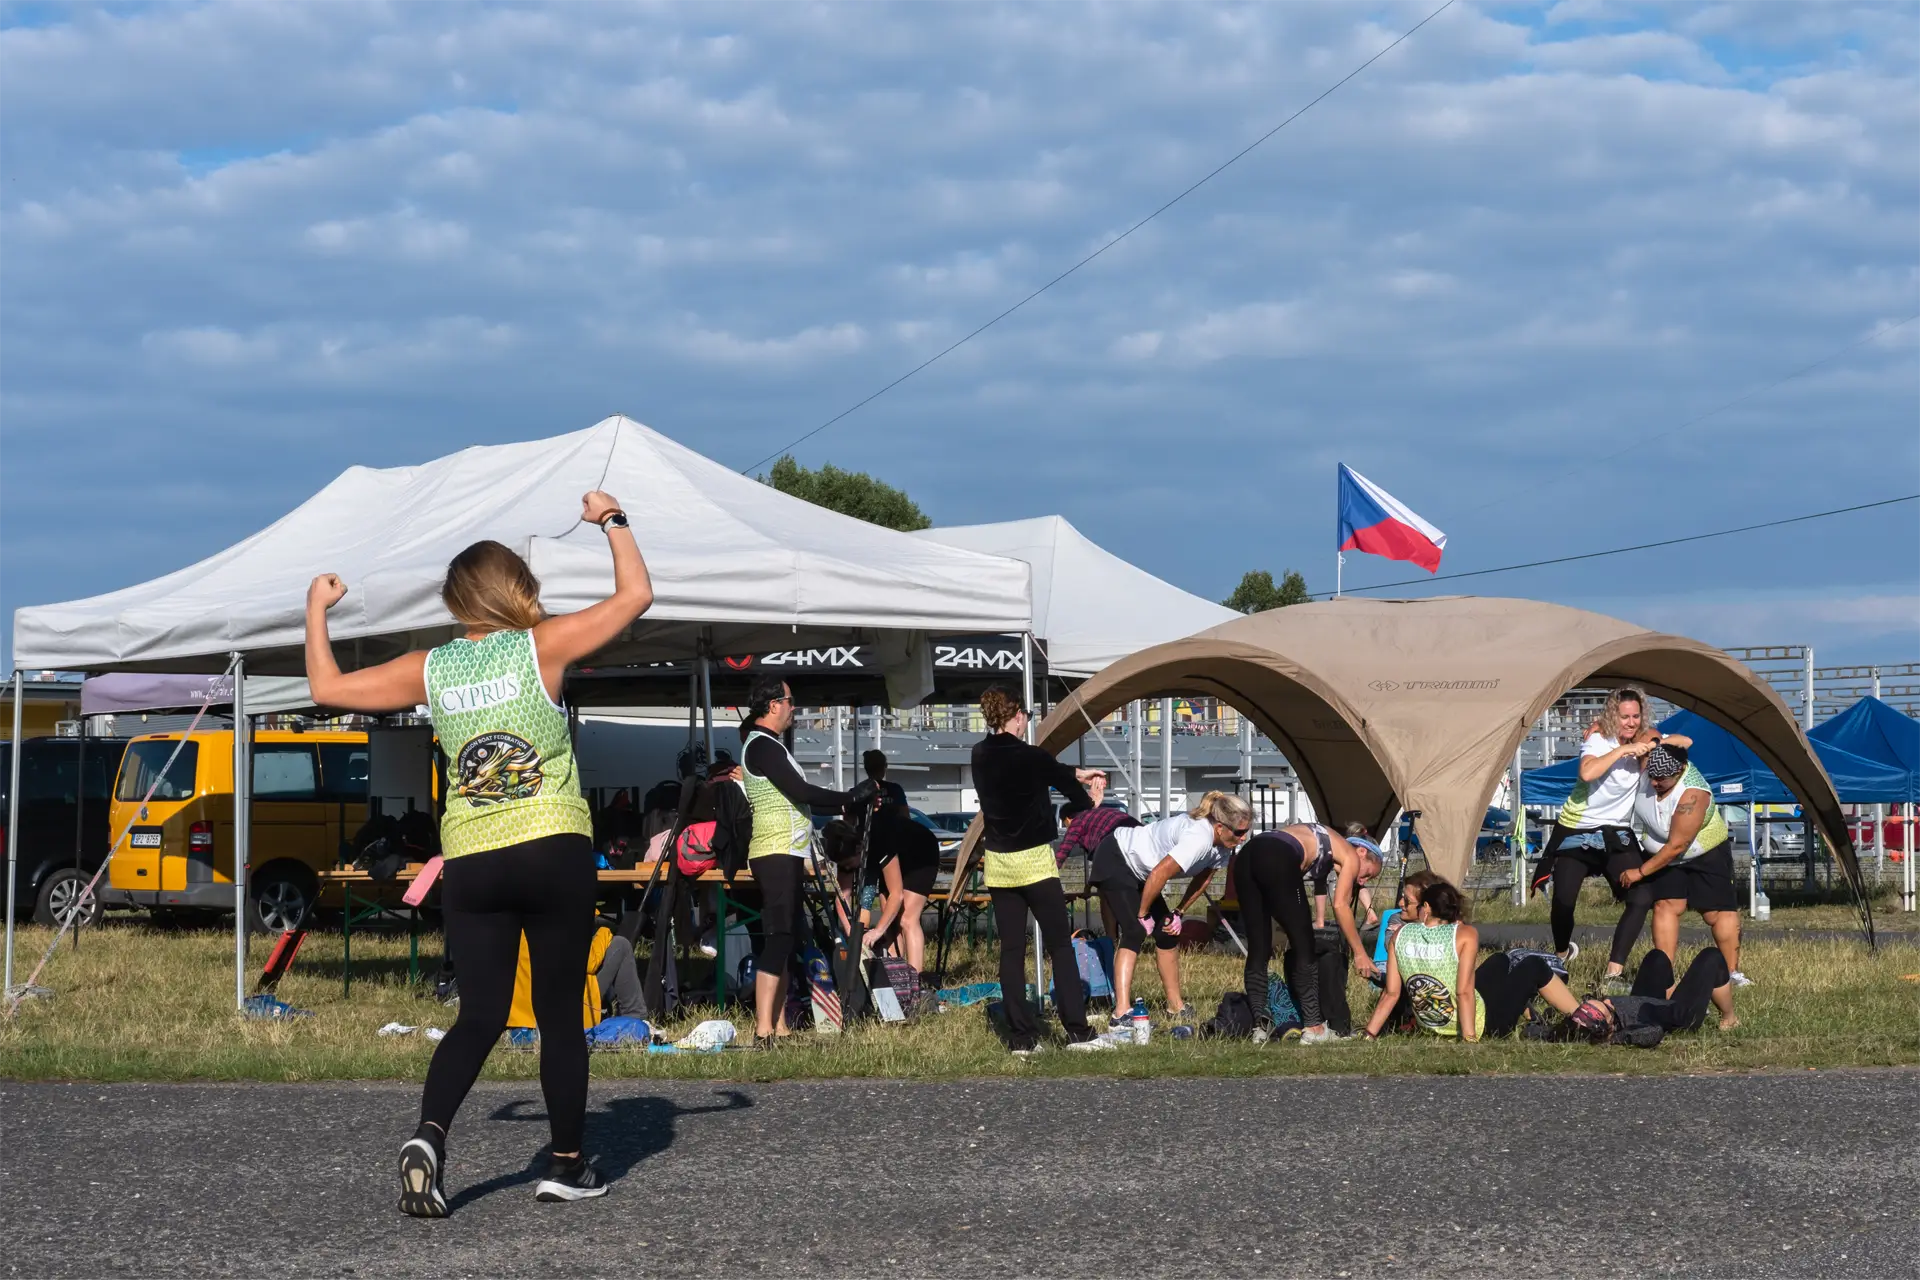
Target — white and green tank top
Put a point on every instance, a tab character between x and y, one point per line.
1430	975
1653	815
779	825
510	767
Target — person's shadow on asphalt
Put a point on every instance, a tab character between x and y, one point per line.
620	1135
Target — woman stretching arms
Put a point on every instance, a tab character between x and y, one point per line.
516	836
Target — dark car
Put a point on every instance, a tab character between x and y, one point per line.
66	785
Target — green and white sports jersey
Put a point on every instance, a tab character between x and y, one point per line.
510	768
1430	974
779	825
1607	801
1653	816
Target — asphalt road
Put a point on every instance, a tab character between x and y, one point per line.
1811	1174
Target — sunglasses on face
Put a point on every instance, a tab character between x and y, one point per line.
1235	832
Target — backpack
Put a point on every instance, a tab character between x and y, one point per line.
1233	1020
713	828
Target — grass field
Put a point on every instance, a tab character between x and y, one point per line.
139	1003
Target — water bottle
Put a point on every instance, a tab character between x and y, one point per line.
1762	906
1142	1025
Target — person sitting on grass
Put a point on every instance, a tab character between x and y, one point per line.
1435	961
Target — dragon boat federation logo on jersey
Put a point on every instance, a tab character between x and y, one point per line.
478	697
498	766
1433	1006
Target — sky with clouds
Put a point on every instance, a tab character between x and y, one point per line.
1502	272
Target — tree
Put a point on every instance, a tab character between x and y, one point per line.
851	493
1256	592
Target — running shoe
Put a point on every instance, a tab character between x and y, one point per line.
1572	952
1184	1016
1740	979
1262	1034
420	1193
1093	1045
569	1180
1615	984
1322	1034
1029	1051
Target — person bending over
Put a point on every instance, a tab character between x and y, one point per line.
1435	962
1356	833
1132	866
914	854
1012	777
783	803
1269	878
1691	867
517	837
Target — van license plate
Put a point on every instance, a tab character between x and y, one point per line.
146	840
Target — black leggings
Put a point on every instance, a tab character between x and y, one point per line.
1687	1008
1508	987
1048	903
545	889
1571	867
1120	894
778	877
1267	881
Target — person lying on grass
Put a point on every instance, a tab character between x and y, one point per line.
1658	1004
1435	961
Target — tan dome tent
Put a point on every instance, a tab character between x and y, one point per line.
1385	704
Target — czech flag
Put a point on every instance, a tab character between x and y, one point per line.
1374	521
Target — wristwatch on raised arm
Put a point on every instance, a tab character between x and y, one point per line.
617	520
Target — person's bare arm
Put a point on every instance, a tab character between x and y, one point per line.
1157	880
1347	858
1383	1008
392	686
1594	768
1688	817
1466	949
1194	890
566	639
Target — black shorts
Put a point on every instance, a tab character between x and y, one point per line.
1706	882
918	874
1119	889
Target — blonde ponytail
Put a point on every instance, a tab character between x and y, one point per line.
1222	806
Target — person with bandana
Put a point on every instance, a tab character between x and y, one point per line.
1690	867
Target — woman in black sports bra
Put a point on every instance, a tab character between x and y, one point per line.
1269	878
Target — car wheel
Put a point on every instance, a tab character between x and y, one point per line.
281	900
63	895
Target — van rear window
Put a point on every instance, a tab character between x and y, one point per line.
143	764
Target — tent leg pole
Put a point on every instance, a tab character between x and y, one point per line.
1166	757
1136	728
1906	897
242	822
13	819
1517	837
1753	860
706	703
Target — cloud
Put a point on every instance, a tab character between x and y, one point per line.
1504	271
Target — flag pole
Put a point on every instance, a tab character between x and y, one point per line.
1339	556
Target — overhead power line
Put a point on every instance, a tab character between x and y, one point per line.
1224	165
1643	546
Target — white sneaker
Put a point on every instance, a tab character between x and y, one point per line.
1322	1034
1740	979
706	947
1572	952
1261	1035
1094	1045
1028	1053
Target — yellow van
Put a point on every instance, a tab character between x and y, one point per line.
309	797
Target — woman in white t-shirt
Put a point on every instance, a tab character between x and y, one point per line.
1132	866
1593	836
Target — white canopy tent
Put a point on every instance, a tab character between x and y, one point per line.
1090	607
736	565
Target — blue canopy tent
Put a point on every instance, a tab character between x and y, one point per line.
1737	775
1875	730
